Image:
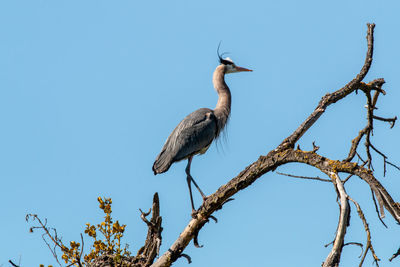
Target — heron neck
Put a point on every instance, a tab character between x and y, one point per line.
223	108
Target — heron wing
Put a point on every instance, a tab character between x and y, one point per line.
191	136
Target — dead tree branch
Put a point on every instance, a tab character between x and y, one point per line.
152	245
333	258
265	164
366	227
285	153
329	99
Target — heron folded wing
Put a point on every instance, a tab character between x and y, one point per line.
193	134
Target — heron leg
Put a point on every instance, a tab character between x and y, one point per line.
190	192
198	188
191	178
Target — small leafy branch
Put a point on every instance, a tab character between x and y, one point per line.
106	249
112	232
72	254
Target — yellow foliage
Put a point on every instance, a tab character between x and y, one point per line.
111	244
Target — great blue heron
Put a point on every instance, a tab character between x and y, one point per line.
195	132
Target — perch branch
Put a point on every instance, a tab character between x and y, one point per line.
263	165
284	154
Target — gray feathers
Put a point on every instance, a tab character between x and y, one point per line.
193	135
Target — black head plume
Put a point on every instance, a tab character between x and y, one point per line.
221	60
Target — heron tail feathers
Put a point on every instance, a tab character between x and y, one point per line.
162	163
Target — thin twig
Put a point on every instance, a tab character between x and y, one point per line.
56	241
12	263
187	257
392	121
354	144
356	244
376	208
366	228
395	255
347	178
360	158
305	177
377	151
330	243
80	254
393	165
369	127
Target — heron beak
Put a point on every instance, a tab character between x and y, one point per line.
238	69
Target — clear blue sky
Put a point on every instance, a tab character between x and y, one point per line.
89	91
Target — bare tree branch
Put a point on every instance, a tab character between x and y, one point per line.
366	227
329	99
152	245
333	258
254	171
367	131
354	144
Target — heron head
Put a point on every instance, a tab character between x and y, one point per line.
230	67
